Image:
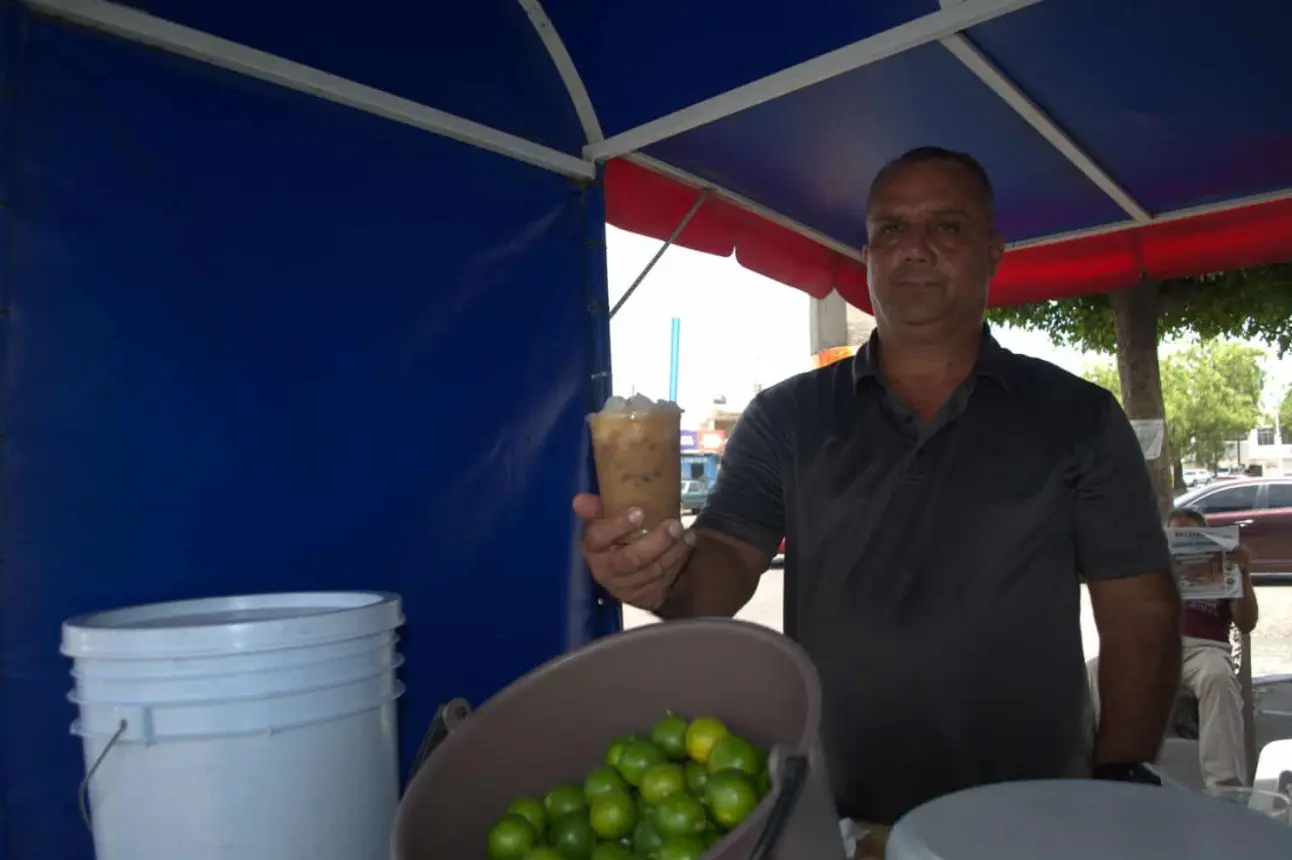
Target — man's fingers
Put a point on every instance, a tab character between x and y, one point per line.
601	534
647	549
587	506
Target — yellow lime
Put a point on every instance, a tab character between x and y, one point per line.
510	838
680	815
701	735
601	782
531	809
637	758
730	796
571	835
661	780
613	815
563	800
669	735
733	752
681	848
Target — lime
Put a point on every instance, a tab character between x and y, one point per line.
711	837
613	815
681	848
531	809
616	749
765	783
510	838
636	759
661	780
696	777
644	809
572	837
680	815
646	838
601	782
563	800
612	851
543	852
730	797
669	735
701	735
736	753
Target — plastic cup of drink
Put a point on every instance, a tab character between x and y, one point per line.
639	460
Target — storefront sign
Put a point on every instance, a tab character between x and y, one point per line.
690	440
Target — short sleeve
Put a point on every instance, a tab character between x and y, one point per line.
748	501
1118	529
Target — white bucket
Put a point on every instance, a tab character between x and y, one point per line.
256	728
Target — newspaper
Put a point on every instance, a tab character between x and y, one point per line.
1203	566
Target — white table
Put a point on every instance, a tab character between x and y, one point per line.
1275	760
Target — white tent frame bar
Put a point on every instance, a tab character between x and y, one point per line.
146	29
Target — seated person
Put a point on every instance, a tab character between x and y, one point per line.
1207	670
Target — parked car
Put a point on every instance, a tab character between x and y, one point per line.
694	495
1262	510
1194	477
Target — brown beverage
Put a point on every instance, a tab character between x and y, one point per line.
638	455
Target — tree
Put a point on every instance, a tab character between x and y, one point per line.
1285	417
1212	394
1248	304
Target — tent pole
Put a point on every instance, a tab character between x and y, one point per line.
686	219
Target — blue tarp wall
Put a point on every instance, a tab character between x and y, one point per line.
243	328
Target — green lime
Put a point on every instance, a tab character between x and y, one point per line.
612	851
636	759
669	735
601	782
644	809
680	815
616	749
543	852
613	815
510	838
646	838
572	837
765	783
712	836
563	800
730	796
681	848
701	735
732	752
696	777
661	780
531	809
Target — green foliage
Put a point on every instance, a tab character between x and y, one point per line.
1247	304
1285	416
1212	392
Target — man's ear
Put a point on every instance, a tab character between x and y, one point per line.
997	251
865	255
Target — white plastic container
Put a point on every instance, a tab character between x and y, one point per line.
240	728
1085	819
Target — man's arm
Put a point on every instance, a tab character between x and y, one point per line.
1122	553
742	522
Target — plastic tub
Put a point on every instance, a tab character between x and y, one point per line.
553	726
1085	820
258	727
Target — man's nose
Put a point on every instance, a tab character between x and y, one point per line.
915	245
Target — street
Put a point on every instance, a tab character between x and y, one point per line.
1271	641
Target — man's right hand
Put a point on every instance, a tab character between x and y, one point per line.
637	570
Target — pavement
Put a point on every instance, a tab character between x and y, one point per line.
1271	641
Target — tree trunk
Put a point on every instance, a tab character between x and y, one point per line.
1135	313
1179	472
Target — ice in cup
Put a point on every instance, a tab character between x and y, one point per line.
635	443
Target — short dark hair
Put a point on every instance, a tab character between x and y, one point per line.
1193	515
929	154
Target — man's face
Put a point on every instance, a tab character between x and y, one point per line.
932	247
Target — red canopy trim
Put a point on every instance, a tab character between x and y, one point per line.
643	201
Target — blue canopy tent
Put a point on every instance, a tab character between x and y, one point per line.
310	298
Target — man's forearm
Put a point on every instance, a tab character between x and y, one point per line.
716	581
1139	678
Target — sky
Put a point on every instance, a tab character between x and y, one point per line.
739	328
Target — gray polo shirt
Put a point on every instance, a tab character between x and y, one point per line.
933	568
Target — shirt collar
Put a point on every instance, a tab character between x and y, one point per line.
993	360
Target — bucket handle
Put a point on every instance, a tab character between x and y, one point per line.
447	718
83	790
794	771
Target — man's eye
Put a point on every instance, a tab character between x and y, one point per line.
949	227
888	229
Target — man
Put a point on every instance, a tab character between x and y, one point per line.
1207	669
941	500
